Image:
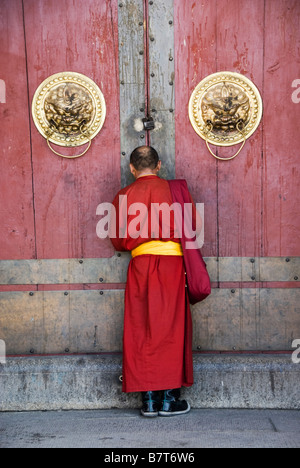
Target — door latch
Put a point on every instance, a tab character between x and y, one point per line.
148	123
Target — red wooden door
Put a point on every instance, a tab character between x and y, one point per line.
61	288
47	203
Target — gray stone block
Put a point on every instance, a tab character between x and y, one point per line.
92	382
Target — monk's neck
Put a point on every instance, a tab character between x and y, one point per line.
145	174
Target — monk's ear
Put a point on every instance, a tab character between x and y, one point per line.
158	167
132	169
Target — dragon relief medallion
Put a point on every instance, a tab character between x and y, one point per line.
225	108
68	109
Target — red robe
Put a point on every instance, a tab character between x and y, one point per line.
157	345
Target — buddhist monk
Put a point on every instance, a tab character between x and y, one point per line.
157	354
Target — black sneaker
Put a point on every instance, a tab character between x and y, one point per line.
172	406
151	404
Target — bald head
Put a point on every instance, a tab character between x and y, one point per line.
144	157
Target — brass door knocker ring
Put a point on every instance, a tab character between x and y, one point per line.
69	110
71	157
209	127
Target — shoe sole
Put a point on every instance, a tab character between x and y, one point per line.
149	415
174	413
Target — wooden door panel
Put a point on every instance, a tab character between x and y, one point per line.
252	202
240	39
213	36
195	52
16	200
281	215
78	37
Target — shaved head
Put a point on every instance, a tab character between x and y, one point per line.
144	157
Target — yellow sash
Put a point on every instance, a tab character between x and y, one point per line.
158	248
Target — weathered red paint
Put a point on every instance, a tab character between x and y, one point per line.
252	202
195	46
17	231
61	195
79	36
281	212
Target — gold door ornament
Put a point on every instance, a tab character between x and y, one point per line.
69	110
225	109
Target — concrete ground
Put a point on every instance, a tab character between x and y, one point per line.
211	428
